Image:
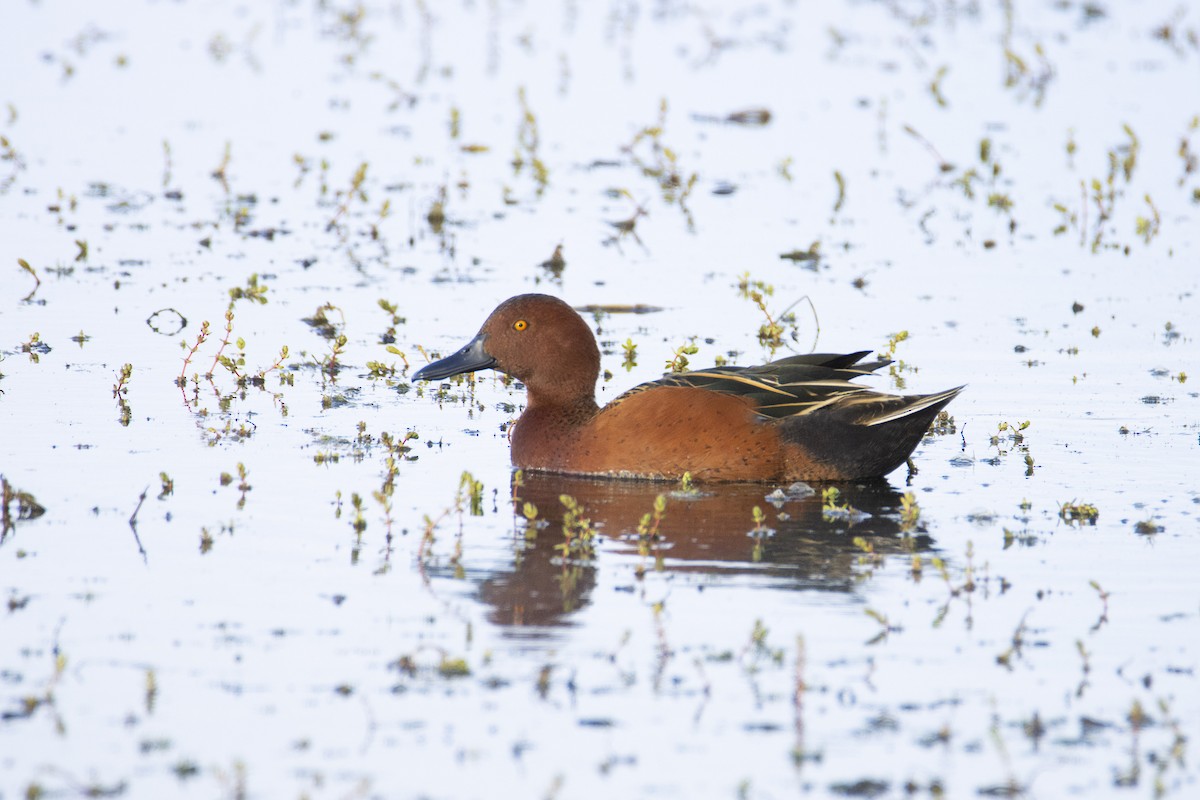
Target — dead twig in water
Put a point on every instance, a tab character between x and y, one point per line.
133	526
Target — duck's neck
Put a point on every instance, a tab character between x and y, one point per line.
545	433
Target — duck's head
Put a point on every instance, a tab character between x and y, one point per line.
537	339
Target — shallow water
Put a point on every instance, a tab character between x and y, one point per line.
255	633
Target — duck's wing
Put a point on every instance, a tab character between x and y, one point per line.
832	360
788	387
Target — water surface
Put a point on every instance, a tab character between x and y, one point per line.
240	587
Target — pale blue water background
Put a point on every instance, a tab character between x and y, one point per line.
272	655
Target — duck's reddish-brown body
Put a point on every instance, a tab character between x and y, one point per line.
794	419
660	434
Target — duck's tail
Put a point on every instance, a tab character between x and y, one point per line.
864	435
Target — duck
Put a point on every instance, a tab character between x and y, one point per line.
799	418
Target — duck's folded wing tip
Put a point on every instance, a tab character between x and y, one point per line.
916	404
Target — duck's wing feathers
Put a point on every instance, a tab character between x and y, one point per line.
832	360
792	386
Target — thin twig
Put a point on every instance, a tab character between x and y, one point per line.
133	525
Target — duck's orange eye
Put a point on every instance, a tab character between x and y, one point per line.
520	325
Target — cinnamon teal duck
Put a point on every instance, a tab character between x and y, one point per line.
797	418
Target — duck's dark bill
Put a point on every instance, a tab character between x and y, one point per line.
468	359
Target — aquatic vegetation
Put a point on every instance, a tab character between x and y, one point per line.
470	492
44	697
942	164
1147	527
759	533
1148	227
886	627
898	366
1074	513
771	332
935	86
532	524
1191	163
687	488
629	357
10	156
555	265
1101	195
579	536
910	512
120	391
830	507
322	324
576	552
678	363
649	535
943	425
662	165
453	668
221	172
446	666
627	227
868	559
235	365
648	527
528	144
121	387
377	369
1010	435
243	486
37	282
784	168
34	347
1028	77
758	649
810	256
201	338
330	364
344	198
16	506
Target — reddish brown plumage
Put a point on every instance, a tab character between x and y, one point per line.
794	419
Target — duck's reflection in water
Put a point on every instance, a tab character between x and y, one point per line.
798	543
